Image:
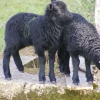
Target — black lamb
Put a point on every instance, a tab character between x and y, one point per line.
43	32
80	38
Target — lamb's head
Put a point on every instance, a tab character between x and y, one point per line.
96	60
98	64
58	11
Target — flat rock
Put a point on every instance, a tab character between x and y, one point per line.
26	82
26	59
83	85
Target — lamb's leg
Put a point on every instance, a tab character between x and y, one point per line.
67	68
6	60
42	61
64	57
88	71
51	66
18	61
75	61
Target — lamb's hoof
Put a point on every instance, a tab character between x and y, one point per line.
90	82
8	79
41	82
68	75
53	82
76	84
22	71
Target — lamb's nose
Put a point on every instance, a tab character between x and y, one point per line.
70	15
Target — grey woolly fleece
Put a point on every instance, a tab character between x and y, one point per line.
81	38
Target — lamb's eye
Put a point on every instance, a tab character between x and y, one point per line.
61	10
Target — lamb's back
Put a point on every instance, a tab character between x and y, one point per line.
80	34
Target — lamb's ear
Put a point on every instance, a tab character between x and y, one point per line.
53	0
50	6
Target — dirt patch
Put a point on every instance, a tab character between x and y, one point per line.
27	51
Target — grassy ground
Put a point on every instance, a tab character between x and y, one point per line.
69	95
11	7
54	95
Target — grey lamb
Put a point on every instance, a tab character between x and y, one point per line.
80	38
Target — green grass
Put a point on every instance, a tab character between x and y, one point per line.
11	7
54	95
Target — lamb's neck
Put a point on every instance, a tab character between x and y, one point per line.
53	28
50	21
